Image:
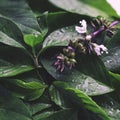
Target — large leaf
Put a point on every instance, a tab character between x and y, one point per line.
25	90
11	107
12	70
87	76
78	6
80	99
21	14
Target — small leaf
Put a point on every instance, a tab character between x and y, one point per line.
12	70
33	40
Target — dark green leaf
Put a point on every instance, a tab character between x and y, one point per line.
112	59
39	107
110	106
88	76
11	107
6	27
20	12
26	90
67	114
80	99
9	41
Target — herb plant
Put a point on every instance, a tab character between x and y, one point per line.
59	60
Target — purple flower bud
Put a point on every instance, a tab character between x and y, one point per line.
113	23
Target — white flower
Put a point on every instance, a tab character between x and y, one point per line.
83	28
99	49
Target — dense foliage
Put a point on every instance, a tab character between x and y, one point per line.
52	66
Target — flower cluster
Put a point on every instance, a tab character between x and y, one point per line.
86	44
67	58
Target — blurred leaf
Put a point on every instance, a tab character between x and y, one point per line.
33	40
21	14
80	99
12	70
102	5
78	6
11	107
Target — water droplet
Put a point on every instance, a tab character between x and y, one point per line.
78	86
111	102
111	112
62	30
108	61
116	54
117	111
85	85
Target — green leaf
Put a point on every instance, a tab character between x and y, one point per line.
39	107
61	37
111	60
33	40
116	76
7	32
67	114
13	70
114	41
25	90
9	41
11	107
21	14
78	6
79	98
